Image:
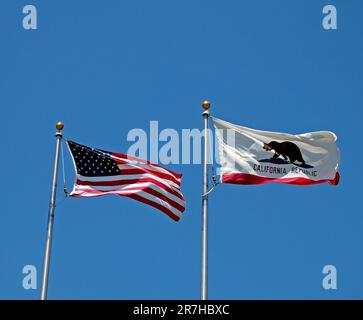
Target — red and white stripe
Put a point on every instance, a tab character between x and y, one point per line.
140	180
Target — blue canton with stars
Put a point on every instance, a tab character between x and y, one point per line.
92	162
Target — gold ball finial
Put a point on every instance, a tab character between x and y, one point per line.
206	105
59	126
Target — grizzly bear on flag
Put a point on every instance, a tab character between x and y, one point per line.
287	150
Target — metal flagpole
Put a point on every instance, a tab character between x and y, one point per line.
204	284
48	243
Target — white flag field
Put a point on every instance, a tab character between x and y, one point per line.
249	156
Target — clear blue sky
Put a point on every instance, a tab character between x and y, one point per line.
106	67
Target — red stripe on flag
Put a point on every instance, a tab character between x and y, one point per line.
134	196
155	205
244	178
154	193
148	190
161	175
130	181
125	156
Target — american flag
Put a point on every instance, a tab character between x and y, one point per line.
101	172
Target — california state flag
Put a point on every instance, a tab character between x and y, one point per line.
250	156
